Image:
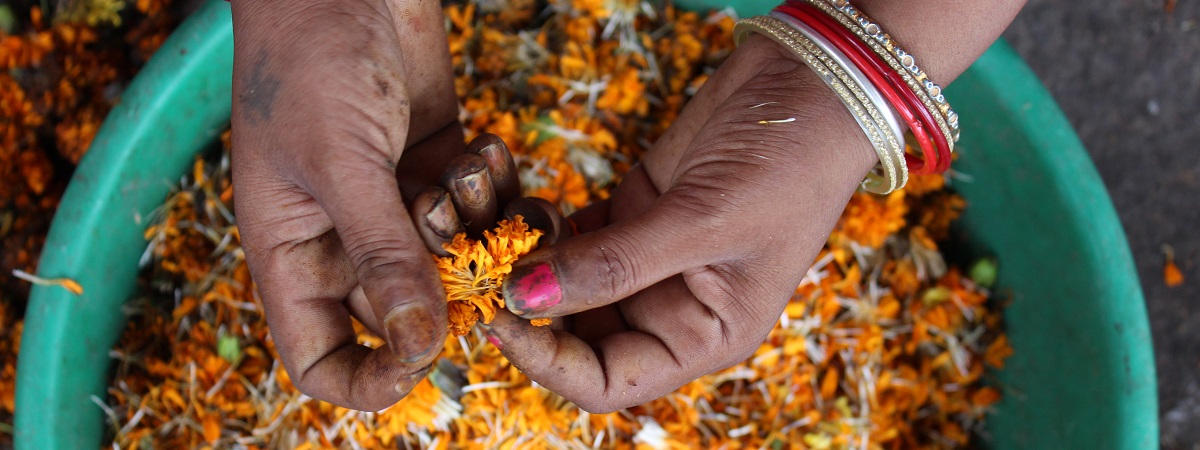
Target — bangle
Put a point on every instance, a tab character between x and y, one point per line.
895	95
920	121
904	63
838	61
872	99
855	94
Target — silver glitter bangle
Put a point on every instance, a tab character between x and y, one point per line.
892	171
827	47
873	101
899	60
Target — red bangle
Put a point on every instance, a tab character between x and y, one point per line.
886	80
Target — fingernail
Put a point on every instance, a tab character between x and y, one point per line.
442	218
500	163
532	289
490	335
531	213
497	158
410	331
406	382
467	178
495	341
473	189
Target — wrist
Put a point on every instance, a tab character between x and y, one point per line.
836	141
946	36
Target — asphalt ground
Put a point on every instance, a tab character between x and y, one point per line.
1127	75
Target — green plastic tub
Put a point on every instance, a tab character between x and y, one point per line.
1082	376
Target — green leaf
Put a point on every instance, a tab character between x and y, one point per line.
936	295
983	272
8	21
229	349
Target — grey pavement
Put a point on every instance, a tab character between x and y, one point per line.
1127	75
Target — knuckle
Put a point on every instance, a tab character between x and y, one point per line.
363	142
595	405
707	207
376	253
619	264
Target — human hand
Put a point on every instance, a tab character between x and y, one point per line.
753	176
674	286
338	121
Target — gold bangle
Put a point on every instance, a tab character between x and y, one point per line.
874	103
890	175
902	62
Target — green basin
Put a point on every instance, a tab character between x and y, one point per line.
1083	372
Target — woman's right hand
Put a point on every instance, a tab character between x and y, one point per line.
342	112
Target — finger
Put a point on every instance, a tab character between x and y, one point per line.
313	333
539	214
387	253
470	186
358	377
413	172
437	221
360	308
500	165
624	368
592	217
612	263
593	325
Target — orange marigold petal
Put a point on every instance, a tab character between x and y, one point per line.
1172	276
462	318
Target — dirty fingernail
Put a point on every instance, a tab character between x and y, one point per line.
532	289
500	163
532	213
468	181
410	329
407	381
442	218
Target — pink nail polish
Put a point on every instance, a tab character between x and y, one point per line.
495	341
532	289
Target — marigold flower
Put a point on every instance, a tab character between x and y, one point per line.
475	270
870	219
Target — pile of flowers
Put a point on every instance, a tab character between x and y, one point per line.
61	71
884	345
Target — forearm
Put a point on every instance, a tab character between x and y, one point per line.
944	37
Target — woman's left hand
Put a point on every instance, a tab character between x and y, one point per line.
670	287
694	257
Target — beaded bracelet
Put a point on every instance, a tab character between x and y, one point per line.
892	172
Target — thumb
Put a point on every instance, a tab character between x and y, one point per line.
389	257
617	261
